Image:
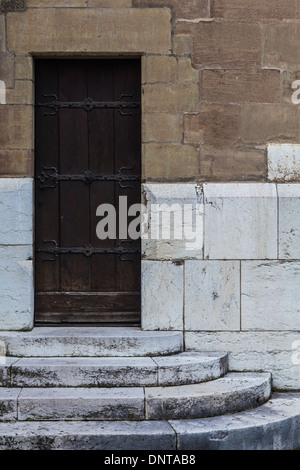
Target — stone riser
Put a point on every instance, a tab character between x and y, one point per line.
183	368
233	393
270	427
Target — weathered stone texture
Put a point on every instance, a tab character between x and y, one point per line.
12	5
284	162
186	73
109	3
159	69
55	3
253	9
24	67
7	69
162	127
263	123
90	30
16	162
2	33
162	295
22	93
229	45
16	127
289	221
216	125
182	98
270	295
182	9
182	44
282	45
240	221
231	164
212	295
241	86
170	161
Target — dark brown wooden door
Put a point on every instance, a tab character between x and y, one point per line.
88	144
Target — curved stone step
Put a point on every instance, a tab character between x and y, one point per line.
182	368
91	342
272	426
232	393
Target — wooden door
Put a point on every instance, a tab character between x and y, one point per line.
87	151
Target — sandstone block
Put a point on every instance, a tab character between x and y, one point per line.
212	295
182	98
16	163
240	86
216	125
22	93
16	127
7	69
55	3
261	123
24	65
182	9
253	9
162	127
2	33
182	44
229	45
281	45
231	164
186	73
159	69
90	30
170	161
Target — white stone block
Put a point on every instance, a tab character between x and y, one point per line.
240	221
16	211
162	295
173	226
289	221
267	351
16	295
284	162
270	295
212	295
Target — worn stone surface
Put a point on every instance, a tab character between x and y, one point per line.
272	426
212	295
159	69
16	196
12	136
182	44
109	3
22	93
180	98
92	342
90	30
162	295
277	352
24	67
8	403
230	394
187	73
231	164
81	403
12	5
281	45
284	162
262	123
173	162
174	222
162	127
216	125
241	86
16	163
270	295
16	297
5	365
190	9
7	68
2	33
144	435
240	221
190	367
55	3
289	221
248	10
226	44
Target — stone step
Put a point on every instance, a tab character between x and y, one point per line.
233	393
178	369
91	342
272	426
